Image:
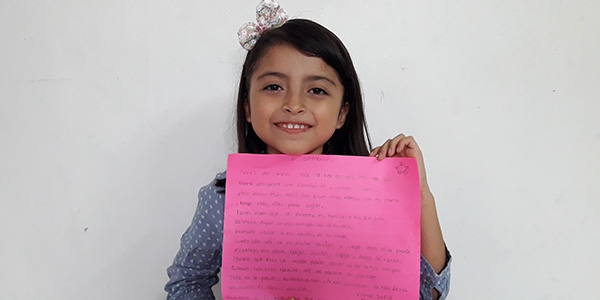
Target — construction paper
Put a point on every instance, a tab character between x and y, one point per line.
321	227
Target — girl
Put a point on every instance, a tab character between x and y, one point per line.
299	94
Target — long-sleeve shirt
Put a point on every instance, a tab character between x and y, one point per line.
196	265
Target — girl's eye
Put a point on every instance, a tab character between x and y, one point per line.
318	91
273	87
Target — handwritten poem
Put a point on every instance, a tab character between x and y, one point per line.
319	227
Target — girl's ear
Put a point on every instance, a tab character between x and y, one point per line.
342	115
247	110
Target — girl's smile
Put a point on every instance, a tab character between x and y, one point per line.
294	101
293	128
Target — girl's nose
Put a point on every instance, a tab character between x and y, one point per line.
294	104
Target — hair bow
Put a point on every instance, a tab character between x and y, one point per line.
269	14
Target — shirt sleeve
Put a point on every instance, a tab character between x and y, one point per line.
430	279
196	265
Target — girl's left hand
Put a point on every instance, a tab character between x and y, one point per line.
403	146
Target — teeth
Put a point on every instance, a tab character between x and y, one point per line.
294	126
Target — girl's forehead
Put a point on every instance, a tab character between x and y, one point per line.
286	58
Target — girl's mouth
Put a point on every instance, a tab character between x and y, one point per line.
293	126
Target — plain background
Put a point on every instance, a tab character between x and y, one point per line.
114	113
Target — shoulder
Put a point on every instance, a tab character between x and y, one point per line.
215	188
220	176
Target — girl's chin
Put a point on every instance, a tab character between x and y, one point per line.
294	151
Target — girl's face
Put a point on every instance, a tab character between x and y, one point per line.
294	101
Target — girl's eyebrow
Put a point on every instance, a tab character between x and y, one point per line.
308	78
276	74
317	78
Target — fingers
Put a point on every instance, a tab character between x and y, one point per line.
380	152
405	146
375	151
396	145
399	146
402	146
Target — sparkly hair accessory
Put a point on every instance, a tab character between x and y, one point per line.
269	14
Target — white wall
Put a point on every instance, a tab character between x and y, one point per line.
114	113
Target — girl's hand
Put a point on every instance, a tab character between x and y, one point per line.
432	242
403	146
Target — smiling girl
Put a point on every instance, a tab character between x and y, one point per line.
299	94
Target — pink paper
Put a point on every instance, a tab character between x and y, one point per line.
321	227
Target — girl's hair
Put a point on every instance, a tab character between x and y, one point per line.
313	40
